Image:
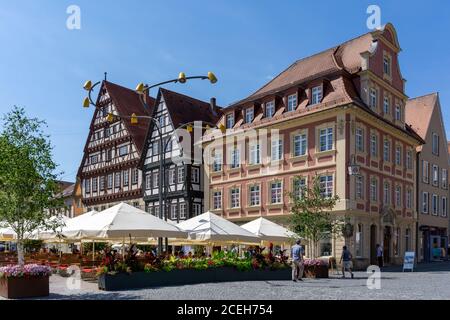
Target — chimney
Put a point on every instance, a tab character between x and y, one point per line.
213	106
146	97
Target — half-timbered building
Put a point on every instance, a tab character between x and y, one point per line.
183	183
109	171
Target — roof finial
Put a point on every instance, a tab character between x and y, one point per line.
106	74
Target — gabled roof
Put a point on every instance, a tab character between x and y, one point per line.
418	112
184	109
345	57
128	102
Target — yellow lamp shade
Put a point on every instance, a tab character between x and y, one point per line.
134	119
86	102
182	77
212	77
110	117
87	85
140	88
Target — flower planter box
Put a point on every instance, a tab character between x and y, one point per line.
316	272
26	287
138	280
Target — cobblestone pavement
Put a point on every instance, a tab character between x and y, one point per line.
431	281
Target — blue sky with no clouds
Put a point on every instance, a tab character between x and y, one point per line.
43	64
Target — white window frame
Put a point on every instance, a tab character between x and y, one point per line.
254	153
398	112
217	199
386	105
409	163
217	162
408	198
398	196
326	139
300	144
326	185
435	175
387	193
359	187
359	139
229	120
425	202
235	155
299	187
373	97
180	174
276	149
270	105
254	192
425	171
235	198
444	179
435	144
183	210
316	95
249	115
398	155
276	192
292	102
373	190
386	150
374	145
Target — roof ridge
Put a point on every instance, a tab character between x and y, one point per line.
183	95
425	95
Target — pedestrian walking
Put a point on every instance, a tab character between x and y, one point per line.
379	256
297	261
346	261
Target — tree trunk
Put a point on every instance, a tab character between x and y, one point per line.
20	253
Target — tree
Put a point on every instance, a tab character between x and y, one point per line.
310	217
27	179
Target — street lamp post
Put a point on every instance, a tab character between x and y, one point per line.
141	89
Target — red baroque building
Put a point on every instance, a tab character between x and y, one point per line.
109	171
341	106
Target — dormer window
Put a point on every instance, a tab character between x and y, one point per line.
398	112
230	120
249	115
373	99
292	102
387	65
270	109
316	95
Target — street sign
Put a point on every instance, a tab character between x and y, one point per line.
408	261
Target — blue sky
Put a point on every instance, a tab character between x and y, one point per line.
43	64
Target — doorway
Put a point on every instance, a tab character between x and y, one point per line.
373	244
387	244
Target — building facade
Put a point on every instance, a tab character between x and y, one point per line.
432	177
109	172
341	107
183	185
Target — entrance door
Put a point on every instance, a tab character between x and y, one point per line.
373	244
387	244
435	248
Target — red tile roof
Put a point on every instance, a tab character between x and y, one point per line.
418	113
184	109
128	102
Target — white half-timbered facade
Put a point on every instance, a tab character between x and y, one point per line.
109	171
183	184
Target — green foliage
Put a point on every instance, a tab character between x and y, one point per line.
311	218
32	245
27	177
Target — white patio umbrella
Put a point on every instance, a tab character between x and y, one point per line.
210	228
119	222
269	231
42	234
7	234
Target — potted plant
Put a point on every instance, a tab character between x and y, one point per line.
316	268
31	280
